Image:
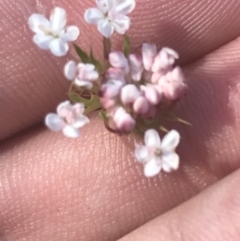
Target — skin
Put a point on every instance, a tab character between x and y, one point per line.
53	188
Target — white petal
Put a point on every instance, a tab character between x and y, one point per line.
87	67
70	70
79	108
58	19
149	52
121	24
71	132
152	168
58	47
136	66
125	6
38	23
93	15
152	138
72	33
54	122
170	141
129	94
81	121
170	161
105	5
62	106
42	41
171	52
83	83
105	28
141	153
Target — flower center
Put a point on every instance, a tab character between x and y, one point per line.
158	152
49	32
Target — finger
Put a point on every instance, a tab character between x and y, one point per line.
50	183
32	80
212	215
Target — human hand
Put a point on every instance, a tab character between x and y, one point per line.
53	188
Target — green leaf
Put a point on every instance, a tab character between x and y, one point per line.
94	99
78	99
96	63
172	117
126	46
82	54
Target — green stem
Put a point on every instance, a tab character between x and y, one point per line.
106	47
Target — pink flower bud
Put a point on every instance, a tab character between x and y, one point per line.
141	105
152	94
155	77
136	66
129	94
149	52
114	74
109	93
164	59
118	60
172	84
124	121
151	112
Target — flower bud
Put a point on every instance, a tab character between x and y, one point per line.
164	59
141	105
152	94
118	60
124	121
155	77
136	66
149	52
109	93
114	74
129	94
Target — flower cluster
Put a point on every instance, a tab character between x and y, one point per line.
131	91
140	84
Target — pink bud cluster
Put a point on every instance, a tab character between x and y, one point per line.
136	85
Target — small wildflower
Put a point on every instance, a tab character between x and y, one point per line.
157	155
83	74
53	34
164	60
69	119
110	15
172	85
159	63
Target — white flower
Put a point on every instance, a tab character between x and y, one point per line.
69	119
110	15
53	34
83	74
157	155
